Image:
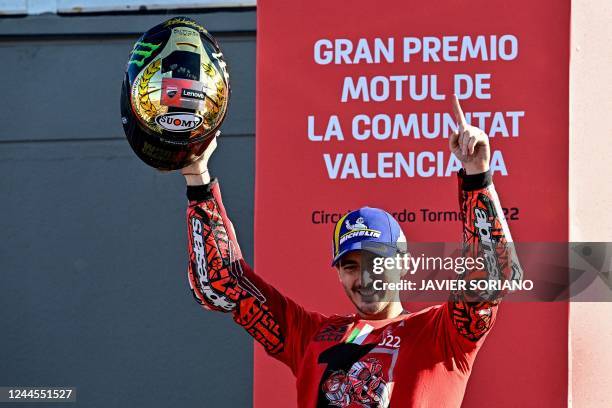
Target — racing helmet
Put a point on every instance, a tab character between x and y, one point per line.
175	93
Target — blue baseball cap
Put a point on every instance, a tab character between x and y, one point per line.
369	229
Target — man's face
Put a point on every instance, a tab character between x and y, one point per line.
355	271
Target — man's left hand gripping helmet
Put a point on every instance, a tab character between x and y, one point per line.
175	94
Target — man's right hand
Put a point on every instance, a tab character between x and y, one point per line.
469	144
196	174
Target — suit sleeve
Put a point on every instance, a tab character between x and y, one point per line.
222	281
486	236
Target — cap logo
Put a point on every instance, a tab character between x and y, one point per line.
359	224
358	229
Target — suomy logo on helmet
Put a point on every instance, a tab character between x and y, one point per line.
179	121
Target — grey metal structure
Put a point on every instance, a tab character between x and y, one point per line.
93	285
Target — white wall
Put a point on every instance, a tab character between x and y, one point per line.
590	192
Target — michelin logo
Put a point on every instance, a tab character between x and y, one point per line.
358	229
359	224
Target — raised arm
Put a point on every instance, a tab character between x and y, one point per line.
222	281
485	232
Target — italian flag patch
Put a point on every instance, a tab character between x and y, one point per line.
359	333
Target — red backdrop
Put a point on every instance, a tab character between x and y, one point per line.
524	361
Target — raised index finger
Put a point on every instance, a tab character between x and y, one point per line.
459	116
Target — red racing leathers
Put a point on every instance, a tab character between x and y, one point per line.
420	359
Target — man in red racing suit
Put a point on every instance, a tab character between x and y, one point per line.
380	356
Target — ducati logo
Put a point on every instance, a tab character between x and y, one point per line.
171	91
